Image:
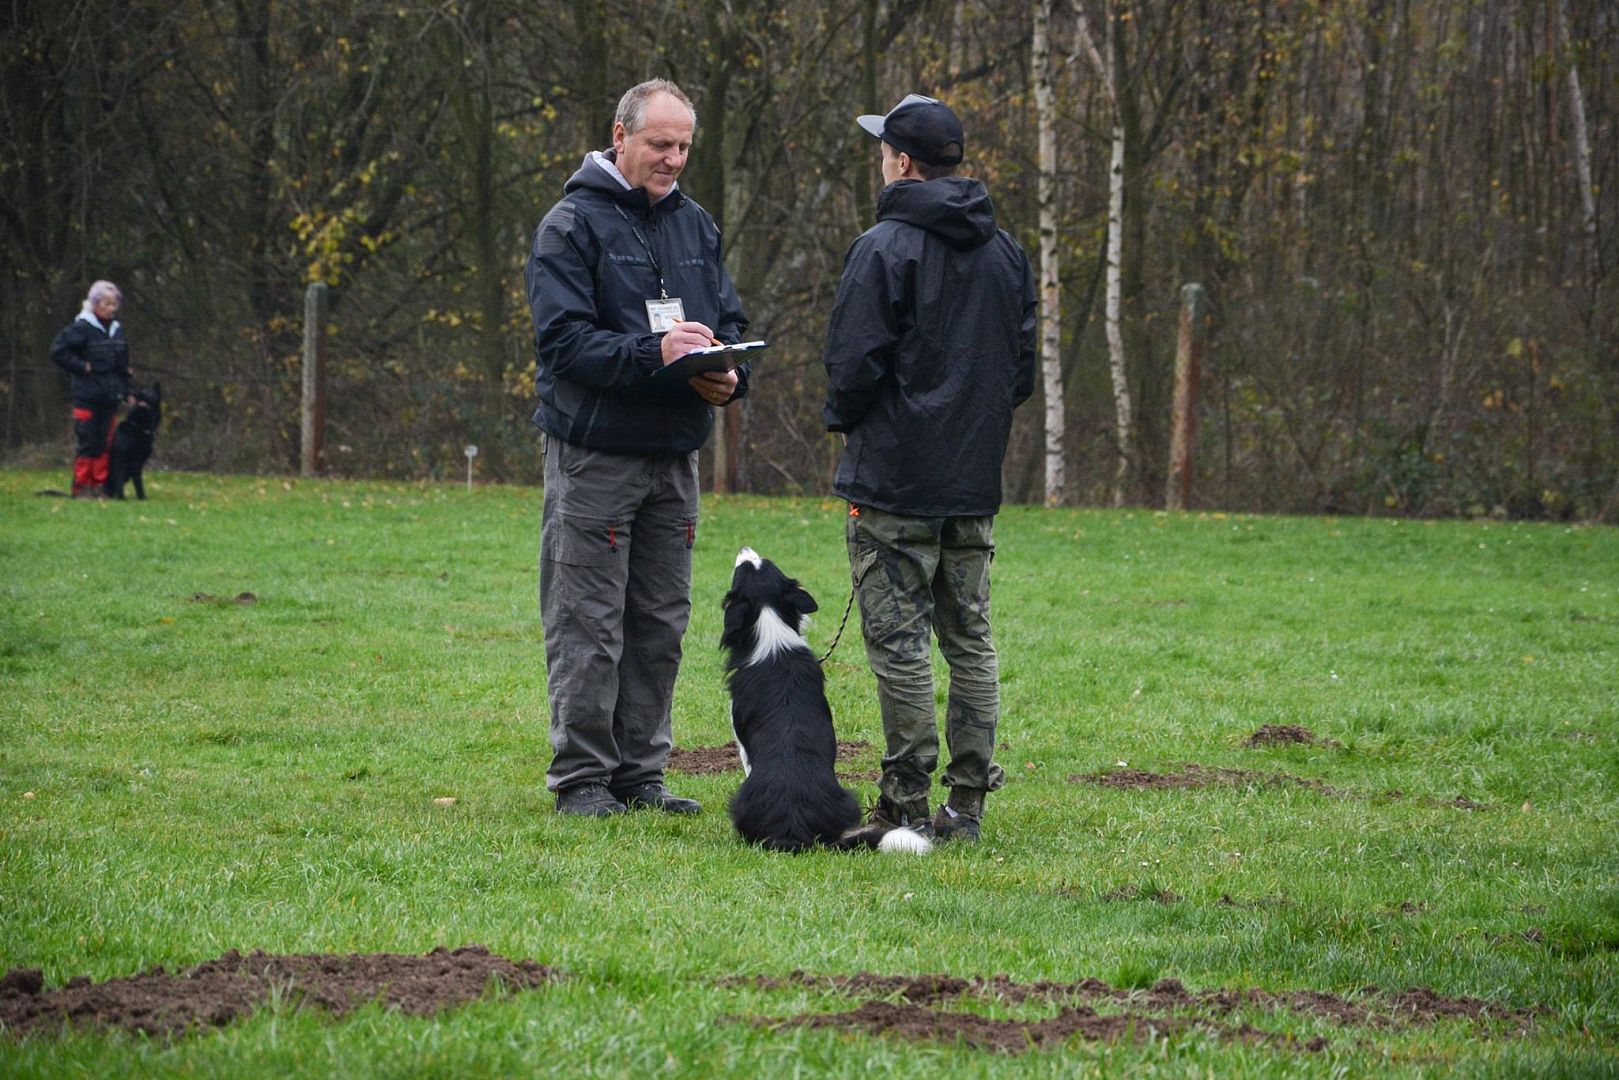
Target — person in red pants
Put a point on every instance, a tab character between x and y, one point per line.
93	351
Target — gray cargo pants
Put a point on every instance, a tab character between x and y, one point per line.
916	578
615	595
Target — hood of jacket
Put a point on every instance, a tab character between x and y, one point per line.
110	331
956	209
591	176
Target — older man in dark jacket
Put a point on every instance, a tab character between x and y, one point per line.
931	346
625	276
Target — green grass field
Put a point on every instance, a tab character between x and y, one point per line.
182	773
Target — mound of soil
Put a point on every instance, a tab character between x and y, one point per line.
1285	734
707	760
220	991
1166	1008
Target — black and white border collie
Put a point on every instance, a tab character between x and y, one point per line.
790	799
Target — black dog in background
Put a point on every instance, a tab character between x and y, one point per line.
132	442
791	799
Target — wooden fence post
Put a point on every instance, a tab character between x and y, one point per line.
1188	369
312	455
724	478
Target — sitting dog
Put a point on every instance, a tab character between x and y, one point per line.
790	799
132	442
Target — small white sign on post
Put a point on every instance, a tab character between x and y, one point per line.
471	452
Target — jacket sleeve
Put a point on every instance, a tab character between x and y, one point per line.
67	350
1028	336
860	337
569	341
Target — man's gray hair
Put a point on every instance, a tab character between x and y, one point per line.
632	106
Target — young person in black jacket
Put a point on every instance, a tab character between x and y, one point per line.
93	351
625	276
930	347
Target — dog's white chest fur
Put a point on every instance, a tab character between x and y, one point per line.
773	635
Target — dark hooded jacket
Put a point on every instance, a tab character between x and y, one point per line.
86	341
589	278
931	346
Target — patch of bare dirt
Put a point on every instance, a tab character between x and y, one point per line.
233	986
906	1006
1287	734
1193	775
707	760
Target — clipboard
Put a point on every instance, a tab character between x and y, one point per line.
709	358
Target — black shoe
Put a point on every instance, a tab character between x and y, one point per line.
657	797
588	800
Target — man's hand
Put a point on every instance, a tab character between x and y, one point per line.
682	338
715	386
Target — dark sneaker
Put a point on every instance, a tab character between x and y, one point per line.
658	797
588	800
959	818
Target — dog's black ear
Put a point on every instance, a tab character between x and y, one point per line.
157	391
739	615
800	600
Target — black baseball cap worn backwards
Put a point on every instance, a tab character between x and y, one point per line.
923	127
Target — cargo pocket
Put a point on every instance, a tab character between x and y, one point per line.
582	541
879	607
666	540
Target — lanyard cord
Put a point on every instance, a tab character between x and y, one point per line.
663	293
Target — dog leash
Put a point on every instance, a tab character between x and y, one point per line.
839	635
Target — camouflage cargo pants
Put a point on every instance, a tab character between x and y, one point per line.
917	578
616	536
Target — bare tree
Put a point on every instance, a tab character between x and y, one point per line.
1050	280
1107	69
1582	149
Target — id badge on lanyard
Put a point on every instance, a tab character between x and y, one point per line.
665	313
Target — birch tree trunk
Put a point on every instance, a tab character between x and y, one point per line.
1122	409
1107	69
958	25
1582	150
1050	283
1115	303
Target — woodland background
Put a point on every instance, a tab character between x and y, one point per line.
1403	212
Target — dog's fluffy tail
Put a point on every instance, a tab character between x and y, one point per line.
885	838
